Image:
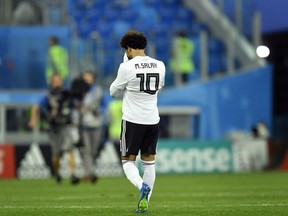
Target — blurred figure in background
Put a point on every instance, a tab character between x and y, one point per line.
56	107
181	62
260	131
57	60
27	13
87	97
115	119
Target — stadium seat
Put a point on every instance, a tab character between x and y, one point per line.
173	3
93	15
117	4
167	15
119	28
77	15
196	28
215	46
163	47
129	15
110	16
184	14
148	12
104	30
153	3
161	31
99	4
80	4
84	29
177	26
215	64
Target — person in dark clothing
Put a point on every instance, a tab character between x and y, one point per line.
87	96
56	106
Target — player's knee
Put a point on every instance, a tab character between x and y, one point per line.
129	158
147	157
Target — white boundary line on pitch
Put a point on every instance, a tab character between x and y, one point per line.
255	205
109	207
56	207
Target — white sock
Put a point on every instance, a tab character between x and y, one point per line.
149	174
132	173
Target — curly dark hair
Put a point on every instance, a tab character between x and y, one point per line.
134	40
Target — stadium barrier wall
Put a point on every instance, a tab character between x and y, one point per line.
231	103
33	161
185	156
191	156
7	161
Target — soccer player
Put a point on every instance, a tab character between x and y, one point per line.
140	80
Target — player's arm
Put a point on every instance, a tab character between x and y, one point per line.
162	76
125	58
119	84
35	112
34	116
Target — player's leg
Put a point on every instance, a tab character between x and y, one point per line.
56	168
71	162
148	152
132	174
131	171
72	165
85	153
130	141
148	181
56	154
95	137
67	146
132	136
185	77
149	172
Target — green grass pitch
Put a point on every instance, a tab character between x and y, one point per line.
195	194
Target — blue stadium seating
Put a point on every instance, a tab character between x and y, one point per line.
153	3
84	29
158	19
173	3
148	15
129	15
110	16
120	28
167	15
93	15
184	14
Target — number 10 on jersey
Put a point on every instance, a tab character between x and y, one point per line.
147	81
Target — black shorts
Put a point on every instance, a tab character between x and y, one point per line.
138	137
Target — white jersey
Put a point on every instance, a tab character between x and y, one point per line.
140	80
